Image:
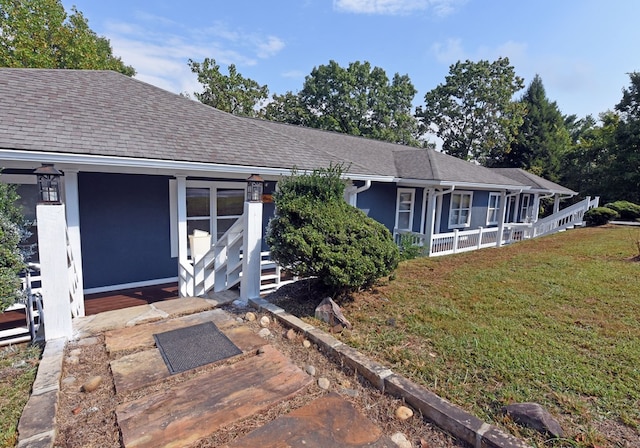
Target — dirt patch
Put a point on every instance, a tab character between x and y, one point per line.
88	418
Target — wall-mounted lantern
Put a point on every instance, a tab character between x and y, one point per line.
255	187
48	184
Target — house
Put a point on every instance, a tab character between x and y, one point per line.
143	169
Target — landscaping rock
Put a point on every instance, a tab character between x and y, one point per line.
91	384
291	334
306	343
401	440
311	370
250	316
264	333
534	416
264	321
324	383
88	341
404	413
328	311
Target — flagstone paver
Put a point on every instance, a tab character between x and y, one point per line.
327	422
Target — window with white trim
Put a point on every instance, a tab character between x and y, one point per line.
493	209
404	208
526	208
460	209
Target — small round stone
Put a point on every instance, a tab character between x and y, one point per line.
291	334
311	370
401	440
73	360
404	413
69	380
323	383
88	341
264	321
306	343
250	316
91	384
264	333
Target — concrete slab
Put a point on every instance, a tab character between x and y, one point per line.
328	422
141	336
182	306
94	325
39	415
199	406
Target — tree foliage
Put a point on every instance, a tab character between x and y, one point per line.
626	168
316	233
231	93
11	233
473	112
542	137
356	100
39	34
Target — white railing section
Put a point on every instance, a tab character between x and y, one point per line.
75	294
32	306
466	240
564	219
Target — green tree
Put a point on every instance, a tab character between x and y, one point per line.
626	168
356	100
316	233
39	34
473	112
542	138
231	93
11	232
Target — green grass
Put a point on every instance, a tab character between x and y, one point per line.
554	320
18	367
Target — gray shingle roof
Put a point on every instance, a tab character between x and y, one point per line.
532	180
104	113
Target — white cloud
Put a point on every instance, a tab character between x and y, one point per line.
270	47
393	7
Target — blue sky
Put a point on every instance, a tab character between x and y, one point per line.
582	49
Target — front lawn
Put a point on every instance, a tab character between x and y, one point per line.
555	320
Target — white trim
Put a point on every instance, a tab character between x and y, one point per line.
23	179
496	208
121	286
460	193
173	217
165	167
423	212
400	192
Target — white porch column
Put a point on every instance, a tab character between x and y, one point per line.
536	208
252	246
556	203
351	194
185	279
503	210
430	215
72	203
52	246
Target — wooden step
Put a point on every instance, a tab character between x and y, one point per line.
198	407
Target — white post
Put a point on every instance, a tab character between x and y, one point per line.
503	210
252	246
186	286
431	216
536	208
52	247
556	203
480	237
72	203
455	241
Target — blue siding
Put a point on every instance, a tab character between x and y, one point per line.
124	224
478	211
380	202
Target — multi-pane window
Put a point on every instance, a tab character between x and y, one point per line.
404	209
493	209
526	208
460	209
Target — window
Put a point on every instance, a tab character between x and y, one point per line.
525	208
404	209
460	209
493	209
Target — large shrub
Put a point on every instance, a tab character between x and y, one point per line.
599	216
627	211
316	233
11	232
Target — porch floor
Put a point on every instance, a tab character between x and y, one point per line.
126	298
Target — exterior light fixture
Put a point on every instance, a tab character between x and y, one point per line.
255	187
48	184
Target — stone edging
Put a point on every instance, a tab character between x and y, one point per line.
451	418
37	426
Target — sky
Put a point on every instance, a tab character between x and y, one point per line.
583	50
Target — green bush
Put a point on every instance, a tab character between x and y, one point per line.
627	211
316	233
11	259
599	216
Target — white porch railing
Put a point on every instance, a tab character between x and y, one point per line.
76	297
468	240
32	306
